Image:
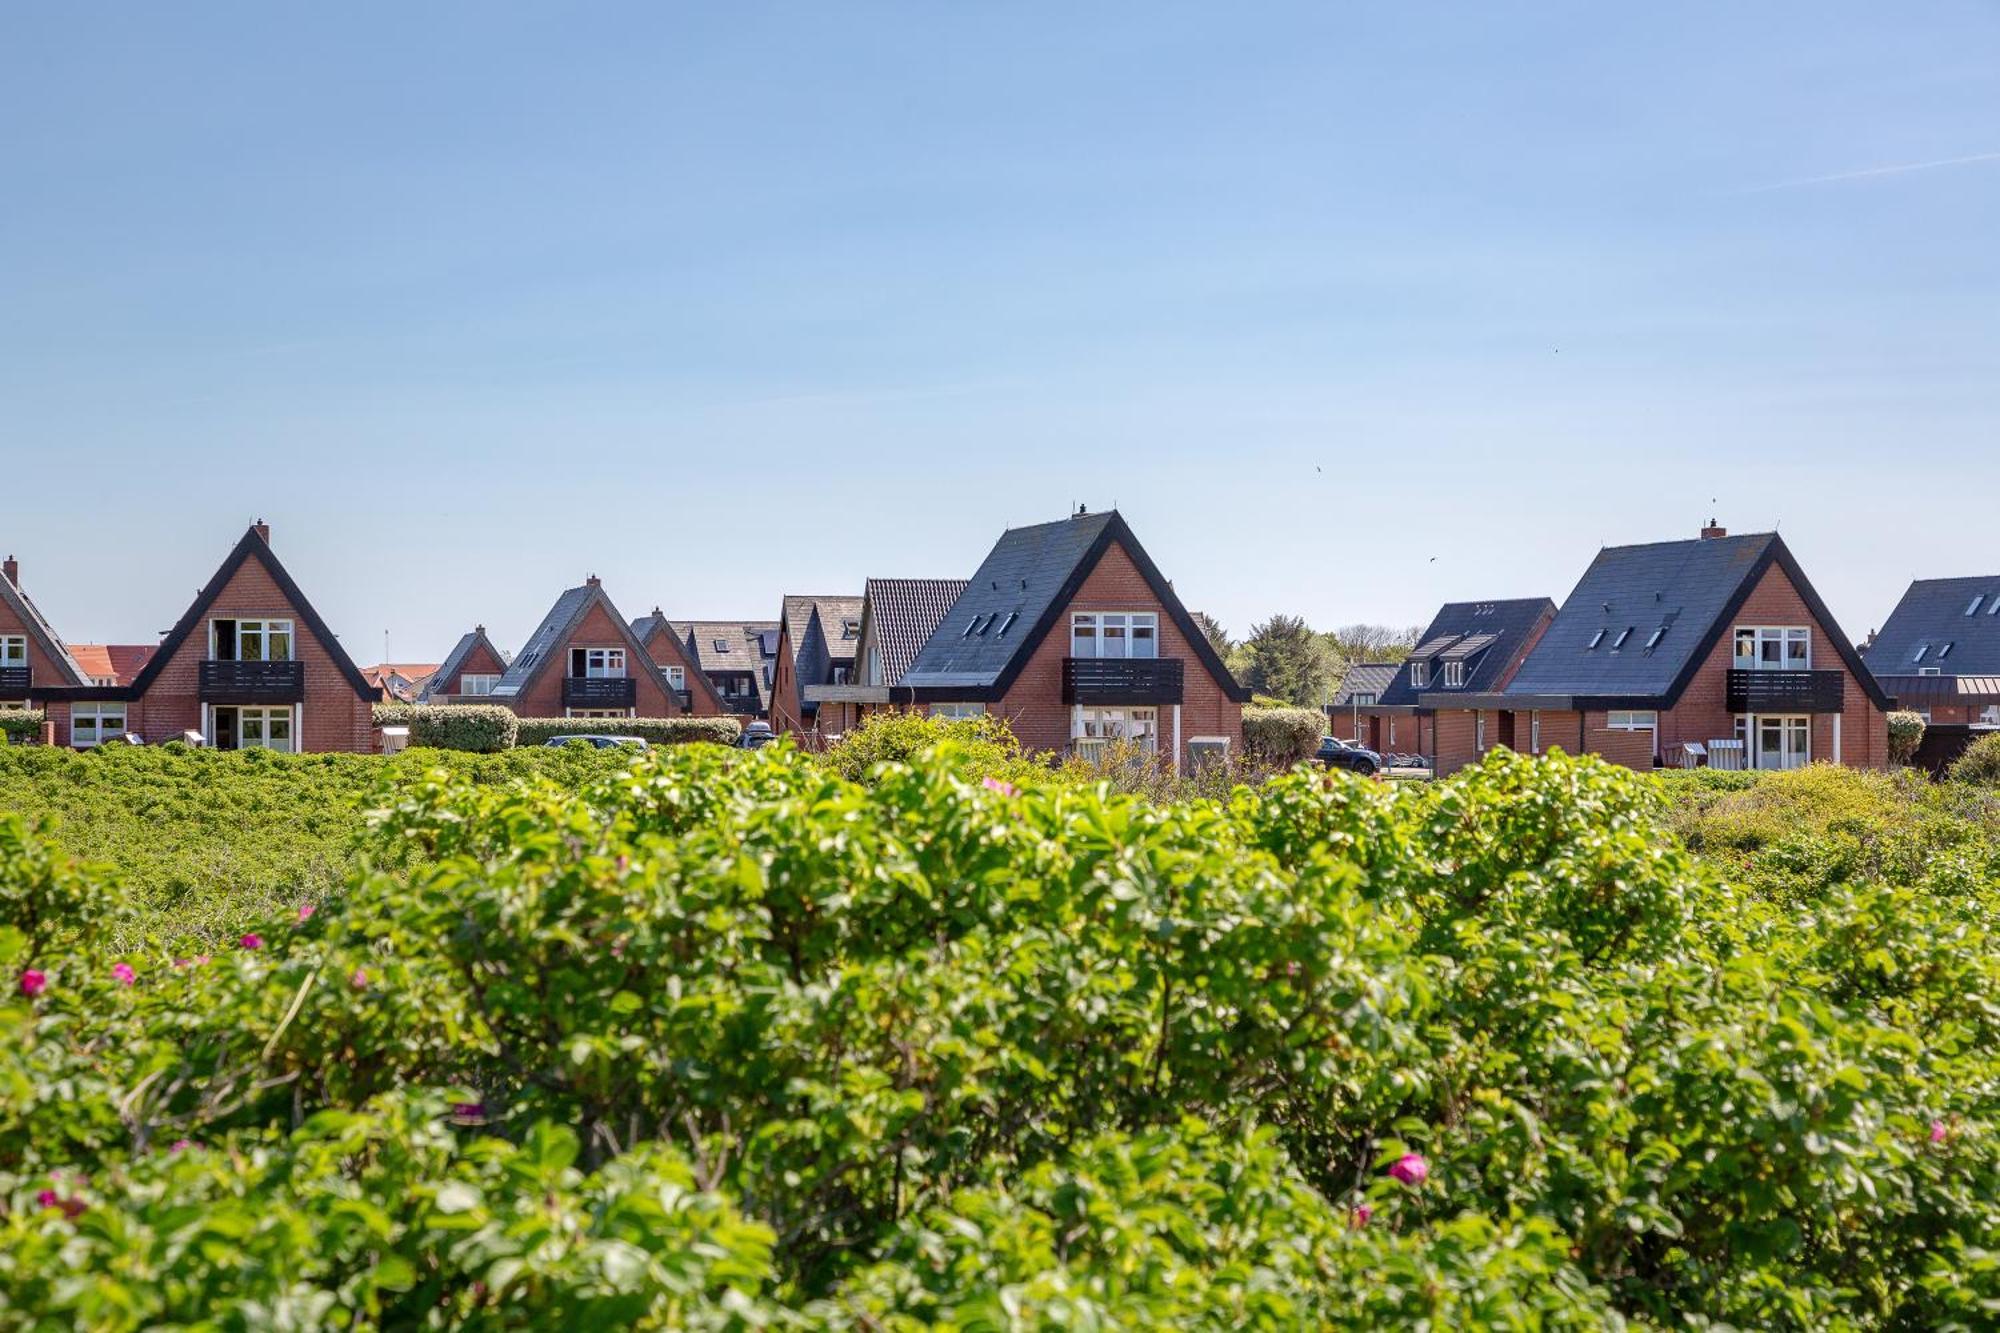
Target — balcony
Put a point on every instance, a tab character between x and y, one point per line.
14	682
1783	691
599	692
1097	681
250	682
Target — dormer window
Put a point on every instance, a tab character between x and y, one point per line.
1420	674
1454	675
722	645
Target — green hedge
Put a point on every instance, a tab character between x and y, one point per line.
22	727
1282	735
1980	763
655	730
1906	733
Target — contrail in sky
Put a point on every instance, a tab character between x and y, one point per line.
1864	174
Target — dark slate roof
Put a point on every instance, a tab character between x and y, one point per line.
746	640
1486	636
1692	588
1924	691
833	613
1017	596
902	615
454	661
1932	614
544	646
42	632
1365	678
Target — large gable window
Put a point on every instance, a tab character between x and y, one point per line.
250	640
1773	648
477	683
13	650
597	663
1114	634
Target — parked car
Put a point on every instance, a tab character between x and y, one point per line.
1337	753
756	736
601	742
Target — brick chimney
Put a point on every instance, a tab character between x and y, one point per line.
479	629
591	581
263	530
12	569
1711	532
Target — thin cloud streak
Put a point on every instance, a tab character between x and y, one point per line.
1869	172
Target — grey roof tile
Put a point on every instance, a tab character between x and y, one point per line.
1486	636
1934	613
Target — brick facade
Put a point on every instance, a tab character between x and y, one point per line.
596	629
481	661
668	652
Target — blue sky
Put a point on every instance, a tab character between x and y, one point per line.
1351	310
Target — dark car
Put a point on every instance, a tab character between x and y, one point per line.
601	742
756	736
1337	753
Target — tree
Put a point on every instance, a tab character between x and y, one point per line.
1288	660
1376	643
1211	629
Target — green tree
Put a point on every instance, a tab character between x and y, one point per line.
1289	661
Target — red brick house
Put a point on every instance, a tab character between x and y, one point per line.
583	660
898	617
1713	651
1475	647
33	656
1071	633
817	640
669	651
250	665
469	672
737	658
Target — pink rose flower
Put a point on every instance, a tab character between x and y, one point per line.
34	982
1938	1131
124	973
1004	788
252	941
1363	1216
305	912
1410	1169
48	1198
182	1145
360	979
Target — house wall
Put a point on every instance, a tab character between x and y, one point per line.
1034	706
786	711
333	717
42	668
667	651
481	661
543	697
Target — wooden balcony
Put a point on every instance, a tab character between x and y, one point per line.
1783	691
248	682
1111	681
599	692
15	681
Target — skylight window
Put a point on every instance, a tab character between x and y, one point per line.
1008	623
1653	640
977	626
1973	610
1993	606
1922	648
1595	639
1623	635
1944	652
722	645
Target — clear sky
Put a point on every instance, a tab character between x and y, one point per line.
1352	310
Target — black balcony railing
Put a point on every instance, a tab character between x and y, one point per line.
247	682
1122	680
741	703
1784	691
14	682
599	692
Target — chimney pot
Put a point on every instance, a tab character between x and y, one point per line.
1712	531
479	629
591	581
12	569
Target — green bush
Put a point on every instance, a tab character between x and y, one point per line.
22	726
475	728
1980	764
982	747
1282	736
1906	733
654	730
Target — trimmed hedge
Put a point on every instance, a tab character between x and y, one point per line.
1906	733
1282	735
22	726
654	730
1980	763
476	728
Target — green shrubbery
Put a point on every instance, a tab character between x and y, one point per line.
21	725
655	730
1980	764
1906	733
1282	736
704	1038
489	728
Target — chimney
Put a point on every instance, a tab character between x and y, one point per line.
12	569
479	629
1711	532
590	581
263	530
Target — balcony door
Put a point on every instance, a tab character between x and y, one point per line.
1777	743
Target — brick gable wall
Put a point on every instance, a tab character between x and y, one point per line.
543	698
42	668
481	661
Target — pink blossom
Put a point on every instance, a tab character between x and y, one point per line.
1363	1215
34	982
252	941
469	1110
48	1198
305	912
1938	1131
124	973
1410	1169
1004	788
182	1145
360	979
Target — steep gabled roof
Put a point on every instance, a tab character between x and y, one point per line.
1692	591
252	546
645	627
544	645
833	613
43	633
1018	595
901	615
1486	636
455	660
746	650
1365	678
118	662
1954	623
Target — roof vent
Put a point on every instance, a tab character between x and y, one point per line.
1713	530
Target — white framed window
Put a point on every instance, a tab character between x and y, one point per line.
93	724
1773	648
1777	741
1114	634
264	729
1420	674
1454	675
13	705
1362	701
1479	730
1930	671
1534	733
250	640
1096	728
1632	720
597	712
597	663
677	677
13	650
473	682
1988	716
958	712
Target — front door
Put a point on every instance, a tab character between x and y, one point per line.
225	729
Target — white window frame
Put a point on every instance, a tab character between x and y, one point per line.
1632	719
602	663
98	732
1787	637
1479	730
264	716
13	650
677	677
1534	732
266	627
1797	728
599	712
1093	729
478	682
1131	630
1454	675
958	712
1420	674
